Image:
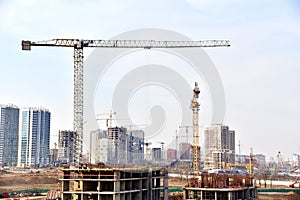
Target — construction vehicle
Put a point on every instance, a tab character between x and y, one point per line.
78	45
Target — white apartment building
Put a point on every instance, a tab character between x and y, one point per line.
219	144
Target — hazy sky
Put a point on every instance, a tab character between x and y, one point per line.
260	72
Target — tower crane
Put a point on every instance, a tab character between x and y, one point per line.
79	44
195	108
110	113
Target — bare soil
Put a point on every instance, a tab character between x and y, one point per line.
43	180
279	196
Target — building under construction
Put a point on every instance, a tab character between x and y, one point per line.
221	186
227	185
105	183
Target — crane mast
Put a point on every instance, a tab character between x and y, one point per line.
195	108
78	104
78	46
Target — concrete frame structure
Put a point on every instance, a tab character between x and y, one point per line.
220	186
114	183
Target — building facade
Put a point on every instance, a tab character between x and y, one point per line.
135	147
34	137
9	135
185	151
117	147
260	159
98	146
156	154
219	143
171	154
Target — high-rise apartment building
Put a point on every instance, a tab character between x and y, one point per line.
156	154
9	130
117	146
34	137
66	143
219	143
135	147
98	146
171	154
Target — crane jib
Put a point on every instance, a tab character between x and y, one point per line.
146	44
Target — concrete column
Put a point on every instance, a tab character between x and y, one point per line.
247	193
150	183
185	194
166	187
141	187
117	186
116	196
229	196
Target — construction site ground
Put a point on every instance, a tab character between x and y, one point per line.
48	179
30	180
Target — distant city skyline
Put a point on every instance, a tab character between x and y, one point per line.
259	71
